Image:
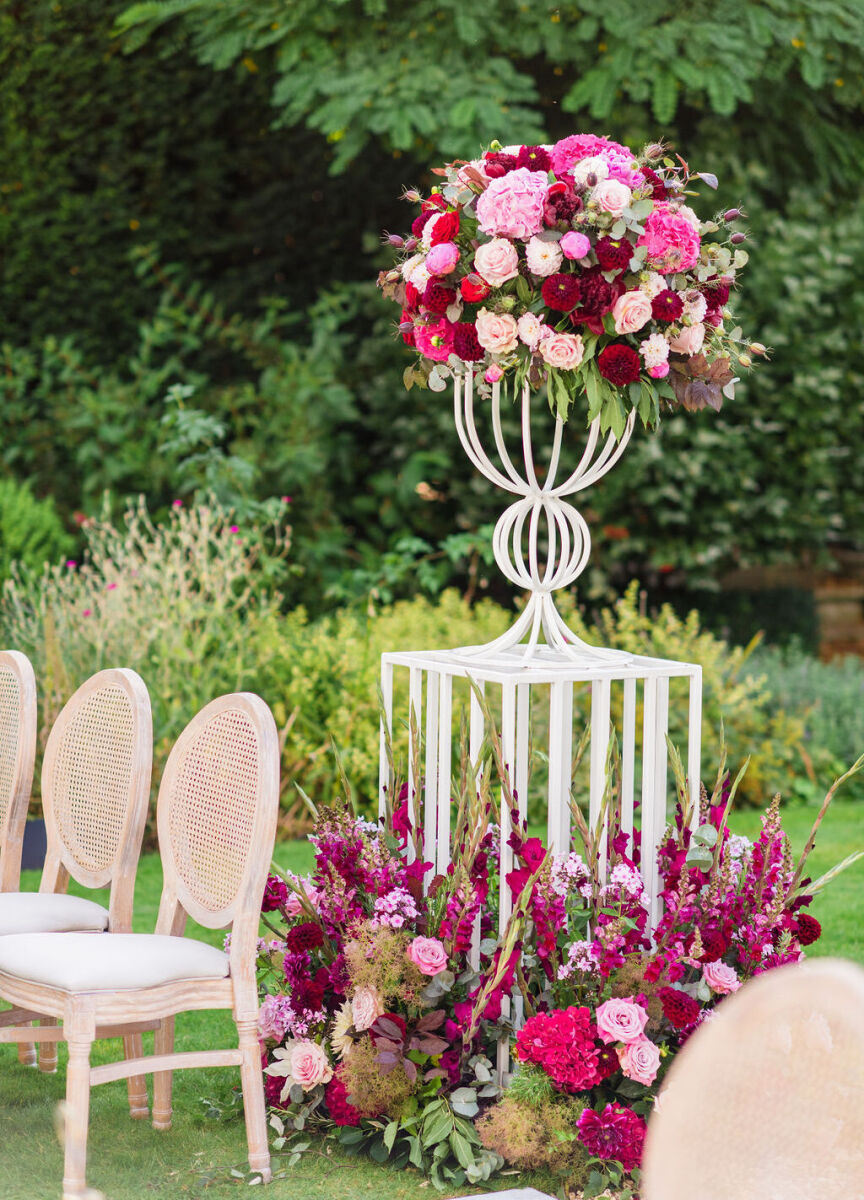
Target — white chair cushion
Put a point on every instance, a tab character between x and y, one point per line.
79	962
44	912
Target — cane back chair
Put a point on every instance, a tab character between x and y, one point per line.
17	752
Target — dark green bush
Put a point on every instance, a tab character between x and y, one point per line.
31	532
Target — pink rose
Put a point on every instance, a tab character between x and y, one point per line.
496	332
442	258
640	1060
673	244
434	341
720	978
611	196
575	245
621	1020
513	205
493	374
689	340
427	955
310	1065
366	1006
530	329
562	350
543	258
496	261
631	311
293	905
660	371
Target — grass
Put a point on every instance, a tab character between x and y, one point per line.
128	1160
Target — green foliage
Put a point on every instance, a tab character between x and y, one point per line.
31	533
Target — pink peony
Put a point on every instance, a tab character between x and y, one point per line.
442	258
366	1006
575	245
621	1020
513	205
428	955
562	350
673	244
631	311
435	341
640	1060
689	340
610	196
496	261
531	329
720	978
543	258
496	332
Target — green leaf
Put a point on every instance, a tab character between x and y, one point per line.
523	289
390	1134
461	1148
705	835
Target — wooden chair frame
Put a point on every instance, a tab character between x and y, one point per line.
15	796
88	1015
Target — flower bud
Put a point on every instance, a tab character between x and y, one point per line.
732	214
395	240
758	348
412	196
411	244
737	238
655	150
591	179
406	326
745	360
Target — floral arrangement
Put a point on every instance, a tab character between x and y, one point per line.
386	994
579	265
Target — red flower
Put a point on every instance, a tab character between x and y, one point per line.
564	1044
465	344
562	203
419	223
617	1133
608	1063
561	292
809	929
438	298
534	158
446	228
658	187
412	297
613	254
715	944
619	364
474	289
716	292
598	297
434	202
667	306
307	936
275	894
679	1009
342	1112
496	164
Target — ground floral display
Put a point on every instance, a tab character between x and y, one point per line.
385	994
580	265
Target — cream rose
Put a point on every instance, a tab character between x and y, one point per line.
611	196
640	1060
496	261
631	311
689	340
562	350
366	1006
496	332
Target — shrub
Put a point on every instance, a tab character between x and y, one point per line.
31	532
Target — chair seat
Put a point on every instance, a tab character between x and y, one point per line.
46	912
78	962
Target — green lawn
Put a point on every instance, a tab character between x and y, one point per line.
129	1160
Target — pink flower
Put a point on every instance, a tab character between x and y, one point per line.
618	158
442	258
611	196
110	587
689	340
660	371
720	978
88	612
293	905
543	258
366	1006
575	245
235	528
285	499
531	328
496	332
71	564
493	374
427	955
176	503
310	1065
640	1060
435	341
673	244
631	311
621	1020
496	261
513	205
562	350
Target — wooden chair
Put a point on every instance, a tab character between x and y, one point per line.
95	794
17	753
216	814
766	1100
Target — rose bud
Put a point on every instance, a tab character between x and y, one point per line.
737	238
473	288
732	214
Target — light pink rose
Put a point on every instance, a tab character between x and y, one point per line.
621	1020
493	374
640	1060
513	205
310	1065
428	955
720	978
575	245
442	258
530	329
496	261
543	258
611	196
562	350
631	311
366	1007
689	340
496	332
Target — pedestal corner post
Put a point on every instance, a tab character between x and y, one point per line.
385	735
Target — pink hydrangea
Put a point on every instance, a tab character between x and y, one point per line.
513	205
672	242
618	158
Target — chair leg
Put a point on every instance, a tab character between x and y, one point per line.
77	1114
163	1043
48	1051
253	1099
27	1052
133	1047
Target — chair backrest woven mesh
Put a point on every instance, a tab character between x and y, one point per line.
767	1099
207	807
17	751
10	738
89	781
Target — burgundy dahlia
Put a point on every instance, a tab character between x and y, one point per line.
307	936
658	187
534	158
619	364
275	894
667	306
598	297
715	944
562	203
716	293
342	1112
616	1133
679	1009
496	164
809	929
613	254
561	292
419	222
438	298
465	344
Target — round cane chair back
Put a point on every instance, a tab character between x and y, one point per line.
17	752
96	777
767	1099
217	810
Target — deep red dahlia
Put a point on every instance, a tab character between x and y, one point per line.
563	1043
619	364
598	297
679	1009
496	164
275	894
608	1062
307	936
716	293
446	228
562	203
715	944
342	1112
809	929
658	187
667	306
534	158
438	298
613	254
561	292
465	344
616	1133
